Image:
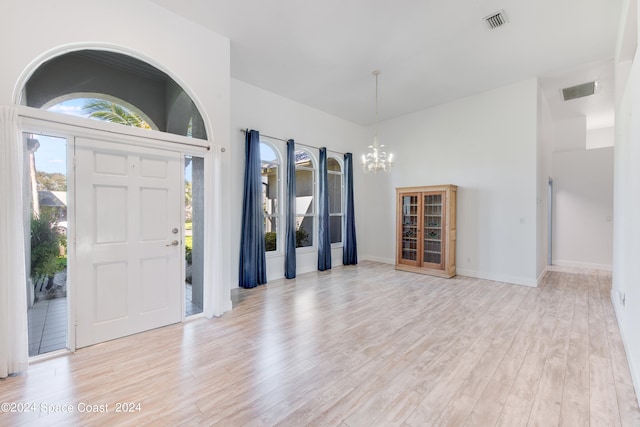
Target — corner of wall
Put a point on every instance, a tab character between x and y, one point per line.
542	276
378	259
626	278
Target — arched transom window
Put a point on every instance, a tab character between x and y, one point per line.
113	87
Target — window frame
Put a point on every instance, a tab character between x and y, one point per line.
37	92
278	213
342	203
315	189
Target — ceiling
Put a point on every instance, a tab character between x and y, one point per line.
430	52
599	109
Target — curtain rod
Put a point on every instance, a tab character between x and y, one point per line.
285	140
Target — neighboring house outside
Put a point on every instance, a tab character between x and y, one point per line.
56	200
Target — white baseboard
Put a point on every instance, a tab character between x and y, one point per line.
634	366
515	280
579	264
524	281
377	259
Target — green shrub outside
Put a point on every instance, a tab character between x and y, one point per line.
45	246
270	241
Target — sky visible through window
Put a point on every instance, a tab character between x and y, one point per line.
72	107
267	154
50	157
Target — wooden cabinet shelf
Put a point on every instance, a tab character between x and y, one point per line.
426	230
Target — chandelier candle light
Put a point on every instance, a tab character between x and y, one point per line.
376	159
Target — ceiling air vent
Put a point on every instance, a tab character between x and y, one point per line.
579	91
496	20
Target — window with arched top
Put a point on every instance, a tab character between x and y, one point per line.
335	184
305	195
110	86
270	166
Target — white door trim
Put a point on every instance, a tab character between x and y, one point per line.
37	120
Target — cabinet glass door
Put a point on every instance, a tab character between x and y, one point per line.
409	249
433	228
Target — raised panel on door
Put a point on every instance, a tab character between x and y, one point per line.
128	208
111	291
111	209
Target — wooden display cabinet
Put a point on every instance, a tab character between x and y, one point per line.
426	230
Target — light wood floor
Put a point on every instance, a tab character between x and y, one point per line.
359	346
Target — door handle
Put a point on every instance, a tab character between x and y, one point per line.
174	243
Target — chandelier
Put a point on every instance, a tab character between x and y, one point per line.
376	159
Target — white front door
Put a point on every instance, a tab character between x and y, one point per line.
128	240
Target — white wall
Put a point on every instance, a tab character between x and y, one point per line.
626	234
570	134
583	208
487	145
600	138
273	115
583	196
34	31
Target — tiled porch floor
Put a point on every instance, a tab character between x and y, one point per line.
48	323
189	307
47	326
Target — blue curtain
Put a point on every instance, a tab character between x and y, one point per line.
349	248
324	234
253	270
290	215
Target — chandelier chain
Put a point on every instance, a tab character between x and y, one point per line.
376	73
376	159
